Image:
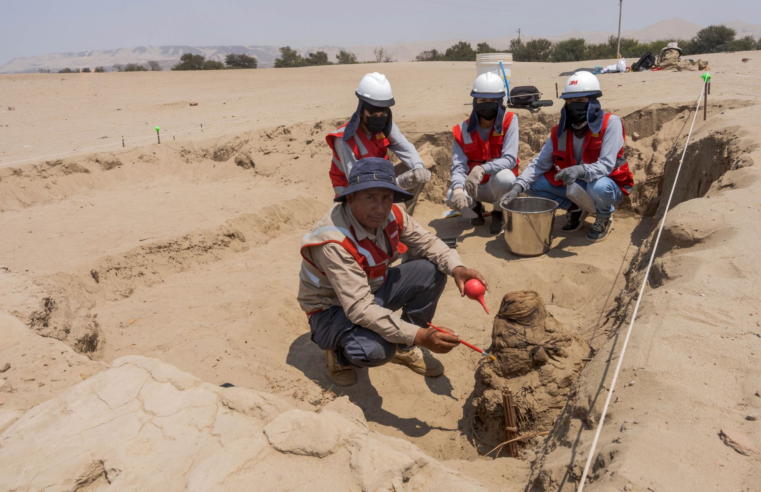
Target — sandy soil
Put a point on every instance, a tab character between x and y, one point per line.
185	252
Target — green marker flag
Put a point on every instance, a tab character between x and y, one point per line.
706	77
157	129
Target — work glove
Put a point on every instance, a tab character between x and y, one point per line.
570	174
459	199
413	178
510	196
474	179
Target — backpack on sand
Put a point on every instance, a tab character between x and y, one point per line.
645	63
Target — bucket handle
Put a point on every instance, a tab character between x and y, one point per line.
531	224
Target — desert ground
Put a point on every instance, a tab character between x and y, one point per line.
138	277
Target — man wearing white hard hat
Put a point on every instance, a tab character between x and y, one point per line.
587	147
371	132
484	154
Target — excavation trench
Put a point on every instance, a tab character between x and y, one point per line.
538	357
186	286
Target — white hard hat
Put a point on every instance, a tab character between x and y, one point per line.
488	85
581	84
375	89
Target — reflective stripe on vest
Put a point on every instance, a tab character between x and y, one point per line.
361	146
370	257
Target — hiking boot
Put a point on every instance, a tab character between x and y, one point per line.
419	361
600	229
497	221
575	218
340	375
479	210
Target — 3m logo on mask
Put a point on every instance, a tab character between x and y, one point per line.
573	82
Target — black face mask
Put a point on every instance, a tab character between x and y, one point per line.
576	112
487	110
376	124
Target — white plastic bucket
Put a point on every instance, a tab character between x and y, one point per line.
489	62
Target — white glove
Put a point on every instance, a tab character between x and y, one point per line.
570	174
510	196
459	199
474	179
422	175
413	178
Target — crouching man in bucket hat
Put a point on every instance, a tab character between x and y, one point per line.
349	290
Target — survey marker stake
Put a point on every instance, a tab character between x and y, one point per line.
158	135
706	90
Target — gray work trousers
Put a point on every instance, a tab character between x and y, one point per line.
490	192
415	287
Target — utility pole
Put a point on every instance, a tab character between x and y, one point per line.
519	34
620	10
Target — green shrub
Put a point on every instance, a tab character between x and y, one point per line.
241	60
485	48
346	58
461	51
134	67
154	66
289	58
65	70
432	55
100	69
189	61
746	43
538	50
712	39
318	58
213	65
569	50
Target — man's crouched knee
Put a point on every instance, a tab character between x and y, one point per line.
365	348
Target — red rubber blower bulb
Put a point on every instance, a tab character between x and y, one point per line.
475	290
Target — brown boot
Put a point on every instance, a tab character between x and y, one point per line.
420	362
340	375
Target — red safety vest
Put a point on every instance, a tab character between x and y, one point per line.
375	146
480	152
562	153
373	260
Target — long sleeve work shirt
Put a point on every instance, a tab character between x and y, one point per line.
507	160
350	282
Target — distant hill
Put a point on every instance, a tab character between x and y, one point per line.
667	29
744	29
167	56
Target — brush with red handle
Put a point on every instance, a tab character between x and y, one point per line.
482	352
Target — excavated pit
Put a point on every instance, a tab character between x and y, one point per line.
119	298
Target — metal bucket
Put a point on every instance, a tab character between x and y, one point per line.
528	225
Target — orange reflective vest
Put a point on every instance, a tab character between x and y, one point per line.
375	146
332	228
480	152
562	154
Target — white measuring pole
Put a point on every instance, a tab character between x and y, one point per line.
639	299
620	10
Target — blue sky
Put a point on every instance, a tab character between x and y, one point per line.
32	27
